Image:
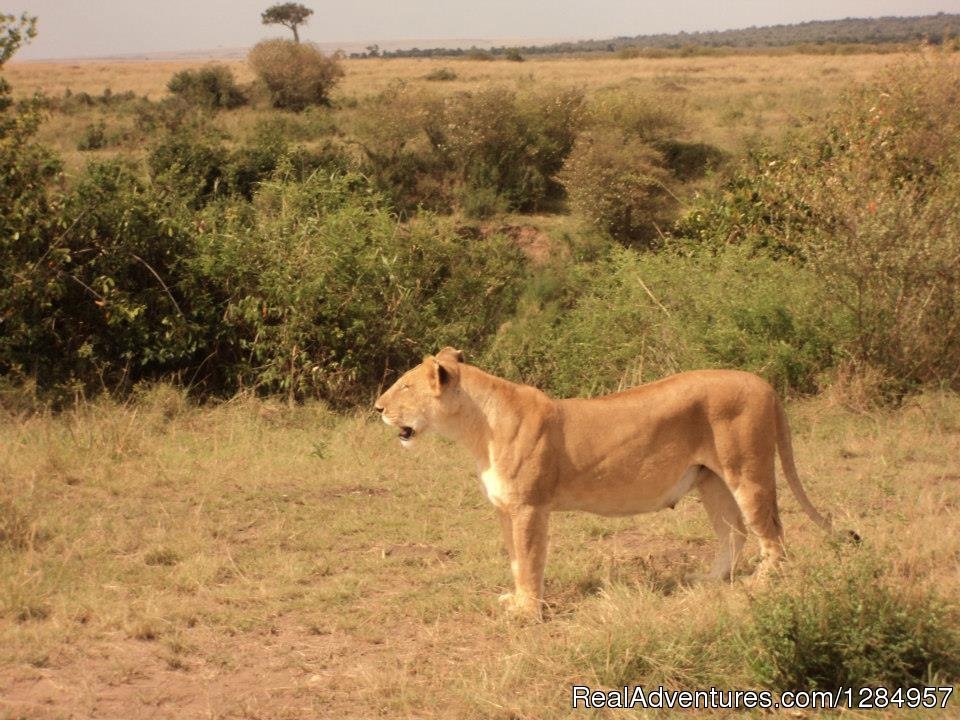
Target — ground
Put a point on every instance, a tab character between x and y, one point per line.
248	560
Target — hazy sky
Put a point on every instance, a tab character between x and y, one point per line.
79	28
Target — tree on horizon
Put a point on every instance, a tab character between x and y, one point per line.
289	15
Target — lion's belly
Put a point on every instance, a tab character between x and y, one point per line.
625	496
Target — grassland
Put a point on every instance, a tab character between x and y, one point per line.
250	560
726	101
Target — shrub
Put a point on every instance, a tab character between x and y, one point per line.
190	165
631	317
690	160
103	297
211	87
329	295
480	203
513	55
651	119
94	137
478	54
618	183
441	74
872	206
510	144
848	624
398	131
296	75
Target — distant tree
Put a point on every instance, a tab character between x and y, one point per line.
289	15
373	50
513	54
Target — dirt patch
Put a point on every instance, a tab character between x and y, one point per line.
665	561
354	491
415	551
285	672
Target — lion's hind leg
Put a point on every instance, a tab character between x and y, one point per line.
758	503
727	521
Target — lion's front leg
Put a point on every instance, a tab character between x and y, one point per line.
528	532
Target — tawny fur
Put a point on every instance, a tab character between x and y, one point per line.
635	451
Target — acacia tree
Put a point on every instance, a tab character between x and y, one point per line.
287	14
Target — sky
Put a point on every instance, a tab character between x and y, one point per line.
97	28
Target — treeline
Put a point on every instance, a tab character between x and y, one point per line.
804	37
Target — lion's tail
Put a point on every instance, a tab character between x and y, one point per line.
785	447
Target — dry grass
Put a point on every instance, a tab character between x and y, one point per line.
249	560
727	100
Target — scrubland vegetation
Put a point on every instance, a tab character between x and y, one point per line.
205	280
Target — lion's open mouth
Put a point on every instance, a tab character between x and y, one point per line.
406	432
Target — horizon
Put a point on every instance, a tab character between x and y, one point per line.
182	25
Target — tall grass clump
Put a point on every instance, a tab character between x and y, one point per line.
872	207
296	75
849	624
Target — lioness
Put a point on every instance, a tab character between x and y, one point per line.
634	451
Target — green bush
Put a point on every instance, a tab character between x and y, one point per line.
619	184
631	317
94	137
296	75
690	160
103	297
487	150
652	119
212	86
847	624
398	131
330	296
511	144
872	207
190	165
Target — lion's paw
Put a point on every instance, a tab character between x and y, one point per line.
522	605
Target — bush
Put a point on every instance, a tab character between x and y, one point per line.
296	75
847	624
690	160
441	74
478	54
651	119
508	144
398	131
492	149
211	87
330	296
190	165
103	297
94	137
619	183
633	317
872	206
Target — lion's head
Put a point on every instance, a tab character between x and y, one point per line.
422	399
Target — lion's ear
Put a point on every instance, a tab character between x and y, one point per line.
443	374
457	355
